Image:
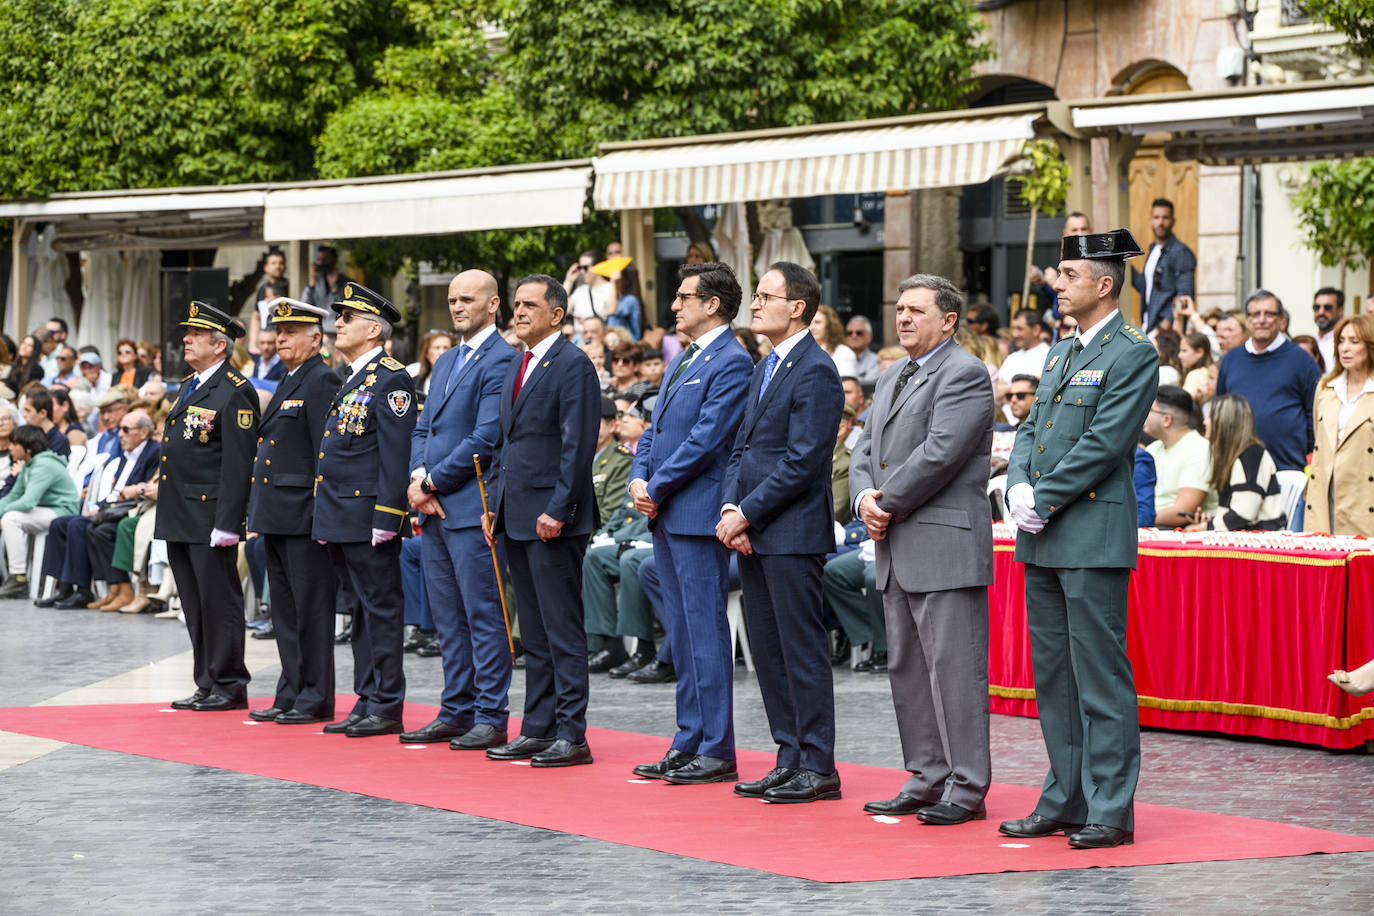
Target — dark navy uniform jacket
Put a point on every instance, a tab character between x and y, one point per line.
364	455
207	459
289	436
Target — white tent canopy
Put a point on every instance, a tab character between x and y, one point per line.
921	151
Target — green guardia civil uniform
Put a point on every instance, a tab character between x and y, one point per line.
1077	450
611	478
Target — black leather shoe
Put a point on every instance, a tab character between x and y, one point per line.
776	777
701	770
79	598
431	647
607	658
671	761
806	786
1098	836
1036	826
875	662
343	725
433	733
192	700
415	640
897	807
218	702
478	738
563	753
632	664
947	814
522	748
15	587
270	714
63	591
296	717
373	727
267	632
656	672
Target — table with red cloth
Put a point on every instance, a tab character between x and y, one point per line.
1222	638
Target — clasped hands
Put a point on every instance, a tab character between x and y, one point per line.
1021	506
873	517
730	531
420	501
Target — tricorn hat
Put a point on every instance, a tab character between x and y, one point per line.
1117	245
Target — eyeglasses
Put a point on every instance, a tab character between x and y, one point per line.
129	429
1266	316
764	297
1018	395
621	359
856	333
683	297
1323	307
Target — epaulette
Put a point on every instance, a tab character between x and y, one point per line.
188	378
624	450
238	380
391	363
1134	334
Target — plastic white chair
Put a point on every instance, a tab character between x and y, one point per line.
37	545
1292	489
739	637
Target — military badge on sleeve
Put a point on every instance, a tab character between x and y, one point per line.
400	402
245	419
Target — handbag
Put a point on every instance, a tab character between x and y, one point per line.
113	512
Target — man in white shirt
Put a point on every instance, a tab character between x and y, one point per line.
1183	459
588	292
1328	308
1029	356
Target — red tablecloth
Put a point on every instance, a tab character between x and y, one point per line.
1222	639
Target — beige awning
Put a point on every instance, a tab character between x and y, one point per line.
511	198
896	154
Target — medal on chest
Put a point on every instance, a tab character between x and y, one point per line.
198	422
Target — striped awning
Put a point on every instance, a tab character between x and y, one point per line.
928	154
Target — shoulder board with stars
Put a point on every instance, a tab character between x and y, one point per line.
1134	334
624	450
393	364
238	380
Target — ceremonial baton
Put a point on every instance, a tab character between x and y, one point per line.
495	564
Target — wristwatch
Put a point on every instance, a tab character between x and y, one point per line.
142	490
425	486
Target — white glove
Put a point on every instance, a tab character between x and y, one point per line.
1021	505
223	538
381	536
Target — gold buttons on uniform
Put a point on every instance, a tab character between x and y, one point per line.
321	454
1056	399
202	497
268	462
882	465
1080	402
357	492
164	476
259	440
164	457
326	434
1037	474
1048	424
1051	508
1092	495
273	442
1042	449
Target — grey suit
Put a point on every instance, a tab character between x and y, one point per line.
928	453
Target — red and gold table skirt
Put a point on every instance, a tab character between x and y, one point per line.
1221	639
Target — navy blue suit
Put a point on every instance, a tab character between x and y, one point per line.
281	509
1173	277
779	476
461	419
682	458
543	465
361	485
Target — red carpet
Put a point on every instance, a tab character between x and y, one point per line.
824	841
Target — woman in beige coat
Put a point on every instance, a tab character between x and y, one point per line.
1340	493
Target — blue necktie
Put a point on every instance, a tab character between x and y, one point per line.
190	388
770	366
462	361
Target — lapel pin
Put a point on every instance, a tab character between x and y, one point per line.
708	358
789	364
546	365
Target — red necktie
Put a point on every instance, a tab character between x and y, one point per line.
520	379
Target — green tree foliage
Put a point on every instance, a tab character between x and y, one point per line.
156	93
597	70
1044	187
1336	212
1353	17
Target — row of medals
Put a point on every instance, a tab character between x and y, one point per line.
353	411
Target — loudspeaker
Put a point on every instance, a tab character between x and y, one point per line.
179	286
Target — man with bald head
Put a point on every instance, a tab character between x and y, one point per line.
461	419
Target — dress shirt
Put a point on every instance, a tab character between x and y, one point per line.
357	365
540	350
1348	403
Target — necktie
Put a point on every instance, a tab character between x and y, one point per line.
1076	349
687	356
520	378
902	378
463	352
770	365
190	388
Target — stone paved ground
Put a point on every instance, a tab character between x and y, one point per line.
81	827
